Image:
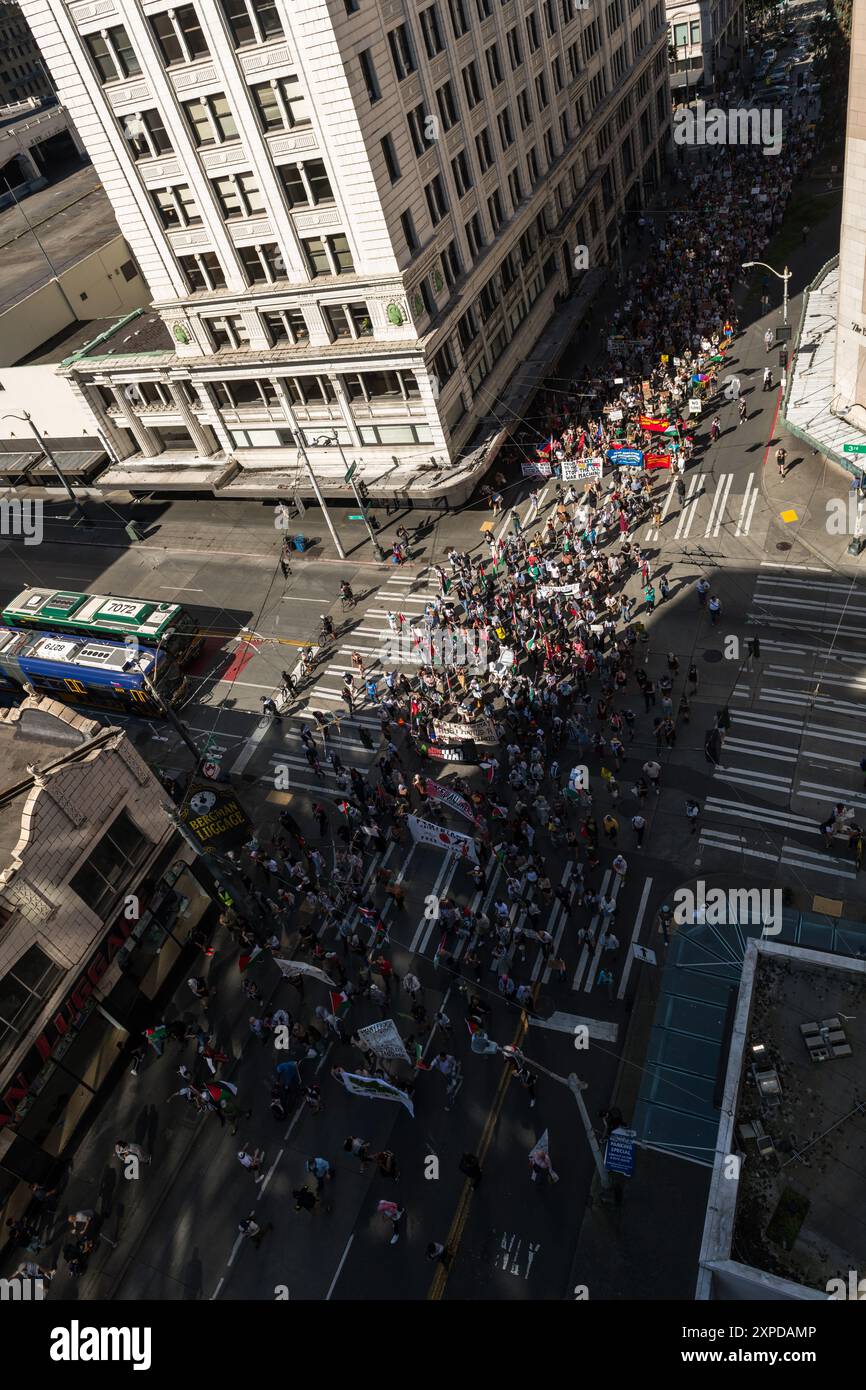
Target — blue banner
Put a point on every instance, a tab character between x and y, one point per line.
626	458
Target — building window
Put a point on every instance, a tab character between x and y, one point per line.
494	208
494	65
307	184
389	154
459	18
401	52
471	85
252	21
25	989
549	18
437	201
484	150
468	329
112	54
451	267
368	72
210	120
262	439
238	196
532	31
549	147
573	60
348	321
179	35
106	871
352	6
416	119
515	56
524	110
564	129
176	206
615	16
532	166
461	173
146	134
514	189
262	263
506	134
228	331
590	40
556	69
541	91
328	255
280	104
409	233
484	8
444	364
203	271
474	235
431	30
285	326
448	111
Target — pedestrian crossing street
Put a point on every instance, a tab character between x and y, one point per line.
711	508
798	728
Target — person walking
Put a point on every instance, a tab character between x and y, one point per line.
252	1162
693	811
715	607
638	825
781	461
123	1150
387	1165
252	1231
360	1148
702	588
394	1213
305	1200
652	772
605	977
610	826
620	867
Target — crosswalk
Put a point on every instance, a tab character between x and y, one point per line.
709	503
799	728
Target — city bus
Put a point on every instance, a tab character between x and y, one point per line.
107	615
87	671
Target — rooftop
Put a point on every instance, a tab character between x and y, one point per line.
794	1121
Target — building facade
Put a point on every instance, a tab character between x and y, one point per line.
356	218
94	880
22	71
707	39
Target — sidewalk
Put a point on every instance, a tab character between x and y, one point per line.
814	505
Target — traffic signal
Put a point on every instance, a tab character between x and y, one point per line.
363	491
783	358
371	517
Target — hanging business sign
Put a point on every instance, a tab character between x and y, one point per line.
619	1152
425	832
215	816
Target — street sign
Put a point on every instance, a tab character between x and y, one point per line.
353	516
619	1152
854	448
644	953
349	471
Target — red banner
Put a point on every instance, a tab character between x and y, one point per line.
656	460
654	425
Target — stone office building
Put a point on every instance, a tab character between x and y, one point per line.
96	901
356	218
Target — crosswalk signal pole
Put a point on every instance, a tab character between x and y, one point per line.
364	508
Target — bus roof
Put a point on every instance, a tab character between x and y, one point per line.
99	611
72	651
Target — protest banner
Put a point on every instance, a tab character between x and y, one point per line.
449	797
656	461
425	832
626	458
300	967
537	468
373	1087
384	1039
482	730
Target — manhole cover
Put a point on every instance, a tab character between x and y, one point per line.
713	655
783	545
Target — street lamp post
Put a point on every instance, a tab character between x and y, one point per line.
576	1087
783	275
27	419
335	439
302	453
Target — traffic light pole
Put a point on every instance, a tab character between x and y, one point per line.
363	506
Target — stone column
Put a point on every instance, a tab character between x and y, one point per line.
202	443
147	441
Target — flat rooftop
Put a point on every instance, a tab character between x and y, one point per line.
51	230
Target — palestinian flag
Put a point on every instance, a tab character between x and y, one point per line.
249	958
498	811
223	1092
339	1002
487	769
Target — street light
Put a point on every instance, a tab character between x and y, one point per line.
27	419
576	1086
783	275
302	453
335	439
